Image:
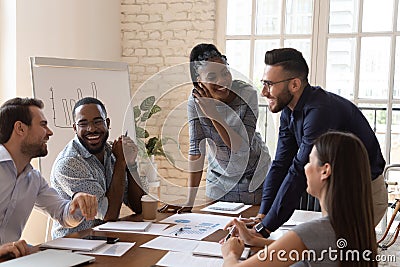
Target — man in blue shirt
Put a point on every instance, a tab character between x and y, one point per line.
307	112
88	163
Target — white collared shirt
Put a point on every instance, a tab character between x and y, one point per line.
19	194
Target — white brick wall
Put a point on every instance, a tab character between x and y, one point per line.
157	34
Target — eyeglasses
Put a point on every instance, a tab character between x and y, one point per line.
269	84
96	123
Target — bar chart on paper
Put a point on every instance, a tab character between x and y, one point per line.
194	226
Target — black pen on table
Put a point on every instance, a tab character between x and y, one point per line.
179	230
231	231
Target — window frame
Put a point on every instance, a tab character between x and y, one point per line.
319	46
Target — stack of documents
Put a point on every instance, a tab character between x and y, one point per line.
125	226
230	206
74	244
226	207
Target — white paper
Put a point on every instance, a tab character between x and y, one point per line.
182	259
173	244
205	248
213	249
238	211
118	249
155	229
301	216
217	221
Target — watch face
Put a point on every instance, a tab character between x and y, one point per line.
259	227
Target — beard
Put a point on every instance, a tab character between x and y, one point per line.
34	150
281	101
95	149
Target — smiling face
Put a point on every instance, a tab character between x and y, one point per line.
278	95
38	133
91	127
215	76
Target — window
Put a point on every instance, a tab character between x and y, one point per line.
352	48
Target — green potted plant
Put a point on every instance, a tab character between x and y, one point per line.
149	146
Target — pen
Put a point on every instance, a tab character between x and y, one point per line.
231	231
180	230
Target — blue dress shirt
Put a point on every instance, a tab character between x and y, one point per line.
316	112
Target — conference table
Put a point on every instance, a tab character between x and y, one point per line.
145	257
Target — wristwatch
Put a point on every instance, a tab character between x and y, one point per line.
259	227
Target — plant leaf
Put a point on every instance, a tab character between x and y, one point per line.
141	147
148	103
155	109
141	133
136	112
145	116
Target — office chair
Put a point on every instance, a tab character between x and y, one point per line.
308	202
394	236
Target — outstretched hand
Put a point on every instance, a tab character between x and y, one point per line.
86	203
174	209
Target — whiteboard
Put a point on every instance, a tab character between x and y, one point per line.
59	83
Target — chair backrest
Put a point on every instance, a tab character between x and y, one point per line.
308	202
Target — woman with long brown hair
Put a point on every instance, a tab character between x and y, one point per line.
338	174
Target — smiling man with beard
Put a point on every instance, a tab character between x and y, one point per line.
23	136
89	164
306	113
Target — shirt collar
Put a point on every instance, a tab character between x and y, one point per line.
303	98
5	156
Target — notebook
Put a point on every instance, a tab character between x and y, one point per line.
49	257
74	244
221	205
126	226
213	249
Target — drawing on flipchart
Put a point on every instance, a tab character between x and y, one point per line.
62	116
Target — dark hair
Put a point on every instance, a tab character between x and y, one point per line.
88	100
13	110
349	197
291	60
199	54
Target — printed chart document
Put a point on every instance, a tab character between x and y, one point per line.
117	250
184	259
74	244
49	257
218	221
226	207
189	231
126	226
154	229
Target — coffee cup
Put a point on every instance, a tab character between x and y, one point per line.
149	208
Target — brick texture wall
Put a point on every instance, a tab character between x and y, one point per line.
157	35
